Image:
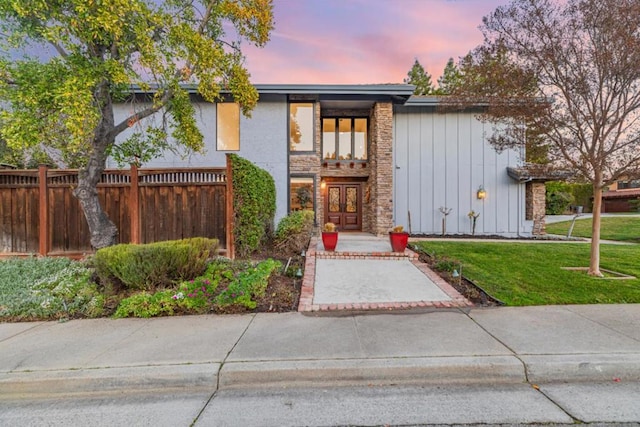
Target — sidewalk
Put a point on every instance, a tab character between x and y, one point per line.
446	346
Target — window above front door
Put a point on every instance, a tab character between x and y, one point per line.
344	138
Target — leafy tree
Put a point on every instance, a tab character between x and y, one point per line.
450	79
572	70
418	77
102	50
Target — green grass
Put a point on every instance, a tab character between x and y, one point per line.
530	273
622	228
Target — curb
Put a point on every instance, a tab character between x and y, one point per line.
427	371
366	372
197	377
582	367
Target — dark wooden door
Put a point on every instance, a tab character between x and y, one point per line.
343	205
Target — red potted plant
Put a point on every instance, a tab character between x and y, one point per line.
398	239
329	237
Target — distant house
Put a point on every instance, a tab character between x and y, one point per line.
367	157
619	194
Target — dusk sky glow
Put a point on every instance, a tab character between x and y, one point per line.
365	41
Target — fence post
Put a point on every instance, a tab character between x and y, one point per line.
229	211
43	200
134	204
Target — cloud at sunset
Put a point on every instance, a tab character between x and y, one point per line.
365	41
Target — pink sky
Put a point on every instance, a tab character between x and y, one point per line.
365	41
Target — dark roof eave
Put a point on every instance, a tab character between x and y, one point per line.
537	173
444	101
403	91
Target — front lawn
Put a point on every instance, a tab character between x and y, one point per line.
622	228
530	273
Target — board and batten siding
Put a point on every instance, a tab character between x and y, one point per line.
263	141
440	160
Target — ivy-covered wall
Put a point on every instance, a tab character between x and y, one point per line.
254	205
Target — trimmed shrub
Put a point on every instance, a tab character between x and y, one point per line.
254	205
562	195
294	231
558	198
583	196
153	265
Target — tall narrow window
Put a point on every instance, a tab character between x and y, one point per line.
329	139
228	126
360	139
301	126
344	139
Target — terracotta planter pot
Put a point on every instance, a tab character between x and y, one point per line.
398	241
330	240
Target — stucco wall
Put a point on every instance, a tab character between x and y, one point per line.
440	160
263	140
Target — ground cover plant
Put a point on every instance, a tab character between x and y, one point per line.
531	273
47	288
223	286
622	228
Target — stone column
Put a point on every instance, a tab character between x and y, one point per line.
536	204
381	177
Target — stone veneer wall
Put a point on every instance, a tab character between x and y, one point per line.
535	206
376	175
379	212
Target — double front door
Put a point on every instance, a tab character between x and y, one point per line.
343	205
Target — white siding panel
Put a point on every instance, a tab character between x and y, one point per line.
425	220
443	159
400	153
415	171
439	169
465	201
452	173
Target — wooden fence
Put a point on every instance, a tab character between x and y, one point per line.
39	214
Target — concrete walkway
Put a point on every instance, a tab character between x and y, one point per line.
363	274
208	353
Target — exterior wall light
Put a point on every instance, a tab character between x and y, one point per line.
323	185
482	194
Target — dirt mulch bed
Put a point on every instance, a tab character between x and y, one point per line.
465	287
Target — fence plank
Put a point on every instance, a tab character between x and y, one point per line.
172	204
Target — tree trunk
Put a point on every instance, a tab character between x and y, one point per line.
594	263
103	230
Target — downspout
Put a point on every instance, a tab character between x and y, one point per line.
520	181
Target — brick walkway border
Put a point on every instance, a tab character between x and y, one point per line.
308	281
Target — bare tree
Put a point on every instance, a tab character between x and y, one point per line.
571	71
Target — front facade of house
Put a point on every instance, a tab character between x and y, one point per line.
367	157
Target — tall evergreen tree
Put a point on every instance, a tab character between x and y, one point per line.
450	79
418	77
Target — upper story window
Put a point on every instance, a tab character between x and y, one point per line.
228	126
634	183
344	138
301	132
